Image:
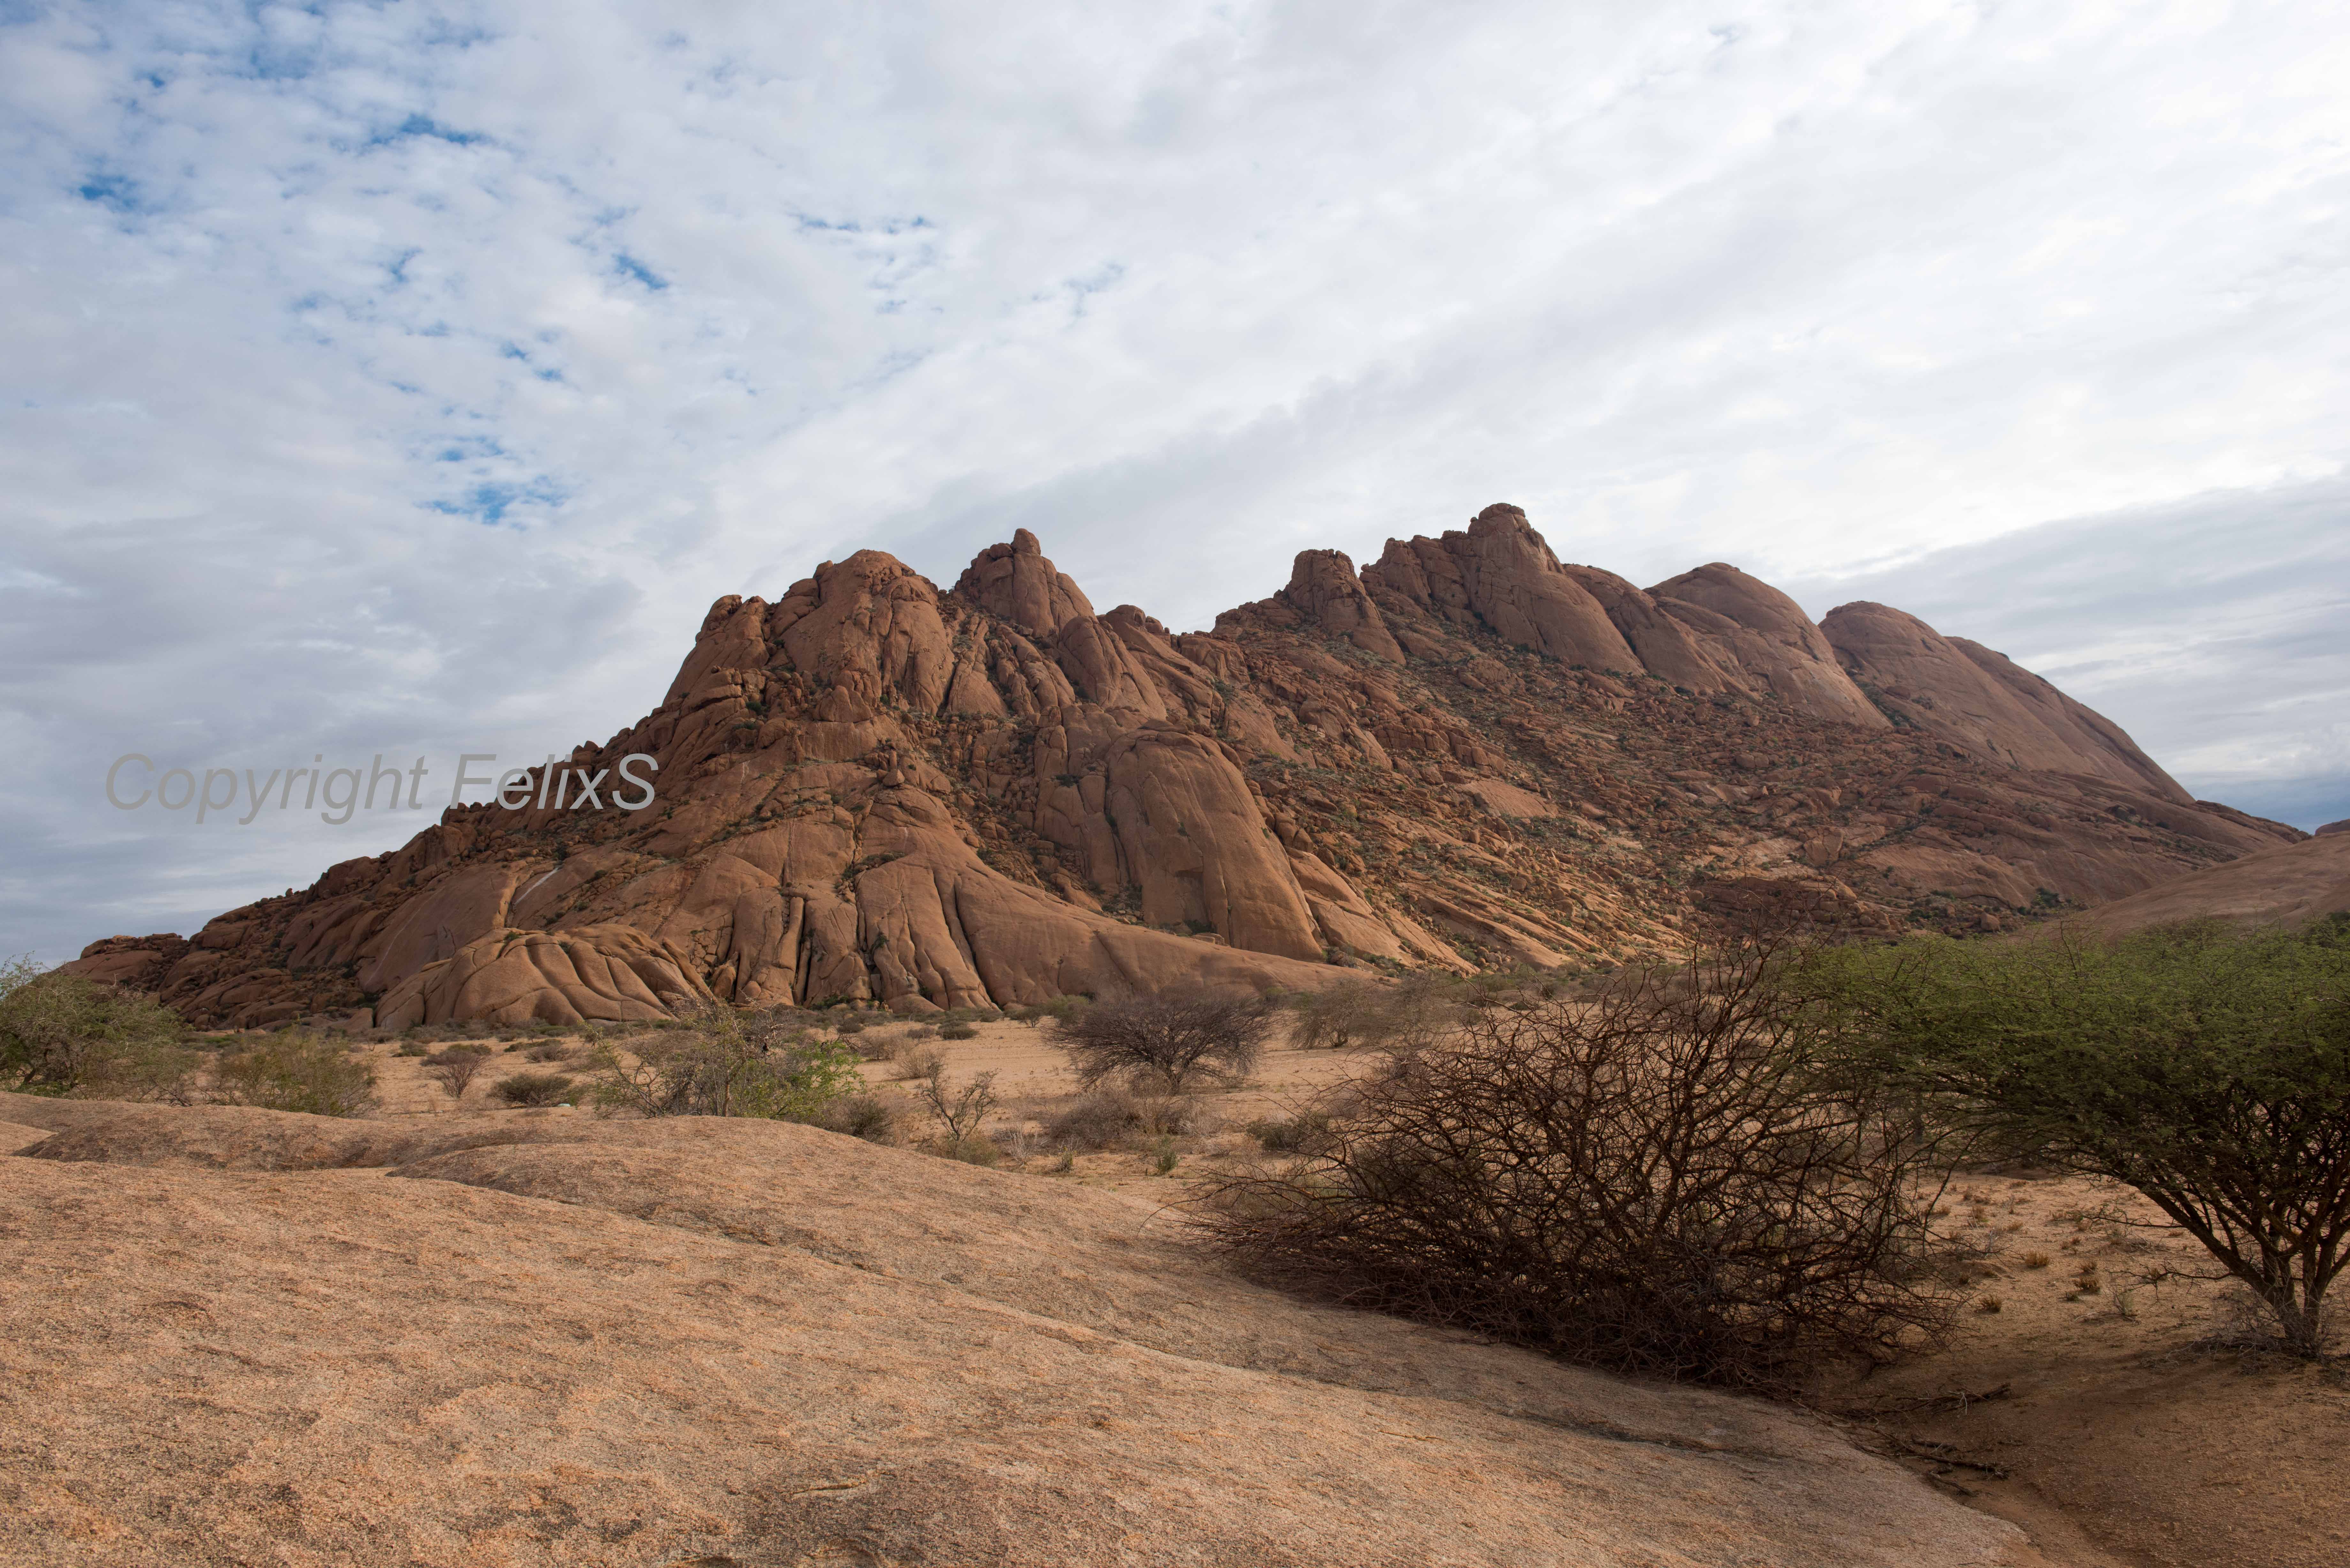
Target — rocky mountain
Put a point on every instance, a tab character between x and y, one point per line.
1466	755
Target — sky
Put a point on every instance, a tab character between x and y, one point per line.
406	379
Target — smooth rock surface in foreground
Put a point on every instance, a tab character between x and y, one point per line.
549	1339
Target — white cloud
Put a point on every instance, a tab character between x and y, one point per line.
407	377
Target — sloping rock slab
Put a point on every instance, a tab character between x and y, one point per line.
2289	886
654	1344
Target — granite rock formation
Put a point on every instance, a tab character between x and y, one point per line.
1466	755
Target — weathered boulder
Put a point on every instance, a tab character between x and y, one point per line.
1666	647
1323	595
1017	585
610	972
1500	576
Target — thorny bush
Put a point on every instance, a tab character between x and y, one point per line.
1672	1177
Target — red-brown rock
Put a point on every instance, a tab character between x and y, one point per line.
1467	755
1964	692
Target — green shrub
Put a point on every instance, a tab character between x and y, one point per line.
1060	1009
296	1072
956	1028
728	1064
62	1035
533	1088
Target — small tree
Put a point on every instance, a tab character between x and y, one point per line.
456	1067
1674	1179
959	1109
62	1035
2207	1069
728	1064
1170	1040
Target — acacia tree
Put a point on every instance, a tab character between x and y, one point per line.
2206	1068
1674	1178
1170	1040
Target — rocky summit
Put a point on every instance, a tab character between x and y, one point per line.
1466	755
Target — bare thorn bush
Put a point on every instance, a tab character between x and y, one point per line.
1412	1012
535	1088
958	1108
1670	1178
455	1068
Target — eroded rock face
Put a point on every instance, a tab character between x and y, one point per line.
1759	631
1467	755
1015	583
1981	701
2289	886
1501	577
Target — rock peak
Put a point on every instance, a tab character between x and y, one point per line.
1018	584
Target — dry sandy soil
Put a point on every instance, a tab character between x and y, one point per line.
447	1335
2109	1403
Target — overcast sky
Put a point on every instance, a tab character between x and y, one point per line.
407	377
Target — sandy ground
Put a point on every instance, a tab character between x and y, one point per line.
2104	1399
